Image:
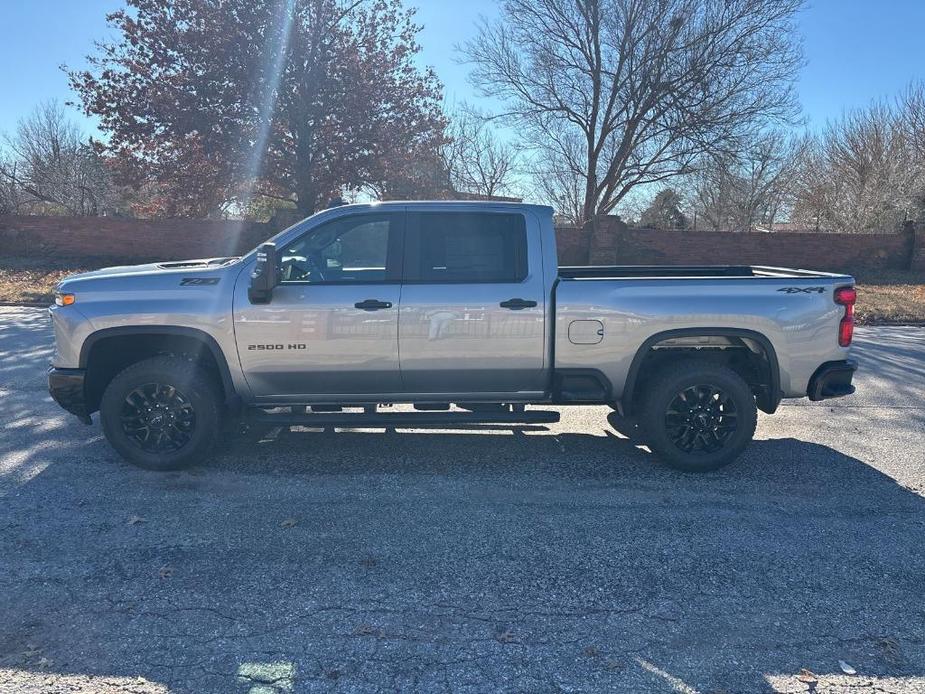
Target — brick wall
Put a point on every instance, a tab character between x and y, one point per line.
177	239
127	239
812	251
917	255
572	244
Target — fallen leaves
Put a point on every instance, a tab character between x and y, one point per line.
890	649
368	630
505	636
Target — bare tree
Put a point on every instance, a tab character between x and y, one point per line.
859	174
559	184
912	123
475	158
621	93
754	186
12	198
558	179
50	168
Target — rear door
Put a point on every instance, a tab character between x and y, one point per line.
332	325
473	307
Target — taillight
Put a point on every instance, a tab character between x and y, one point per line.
846	296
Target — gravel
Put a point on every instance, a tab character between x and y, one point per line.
559	558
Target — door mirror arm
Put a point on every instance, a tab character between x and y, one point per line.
265	275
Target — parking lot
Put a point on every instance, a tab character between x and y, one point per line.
488	559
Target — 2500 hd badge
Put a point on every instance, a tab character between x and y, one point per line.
300	345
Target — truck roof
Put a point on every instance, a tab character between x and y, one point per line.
443	204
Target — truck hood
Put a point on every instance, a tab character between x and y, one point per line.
151	269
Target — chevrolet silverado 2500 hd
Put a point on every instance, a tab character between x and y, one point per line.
441	304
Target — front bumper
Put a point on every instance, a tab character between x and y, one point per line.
832	380
67	388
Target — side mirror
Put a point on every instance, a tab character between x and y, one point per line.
265	275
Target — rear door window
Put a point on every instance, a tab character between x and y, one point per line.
466	247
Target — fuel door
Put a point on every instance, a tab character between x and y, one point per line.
585	332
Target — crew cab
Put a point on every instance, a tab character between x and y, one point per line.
457	308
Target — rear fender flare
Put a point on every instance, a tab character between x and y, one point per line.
774	395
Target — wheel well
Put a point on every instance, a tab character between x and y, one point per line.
751	356
108	355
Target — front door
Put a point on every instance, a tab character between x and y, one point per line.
473	305
332	325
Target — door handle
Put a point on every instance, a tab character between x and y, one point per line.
372	305
517	304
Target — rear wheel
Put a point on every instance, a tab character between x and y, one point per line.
162	413
698	416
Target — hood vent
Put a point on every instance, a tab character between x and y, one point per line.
204	262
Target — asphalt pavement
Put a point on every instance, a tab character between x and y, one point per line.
538	559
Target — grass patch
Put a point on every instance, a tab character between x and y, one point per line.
890	297
33	280
883	297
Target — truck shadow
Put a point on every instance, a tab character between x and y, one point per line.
407	560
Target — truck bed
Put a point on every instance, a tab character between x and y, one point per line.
580	272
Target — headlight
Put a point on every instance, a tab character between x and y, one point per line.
64	299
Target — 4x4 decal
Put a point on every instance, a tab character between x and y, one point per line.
802	290
198	281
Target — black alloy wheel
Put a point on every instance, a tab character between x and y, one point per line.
697	415
158	418
701	419
163	413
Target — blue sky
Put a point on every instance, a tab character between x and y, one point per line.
857	50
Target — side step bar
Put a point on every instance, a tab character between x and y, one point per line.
401	419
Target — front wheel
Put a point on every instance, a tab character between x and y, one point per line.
163	413
698	416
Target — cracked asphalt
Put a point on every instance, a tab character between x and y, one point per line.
534	560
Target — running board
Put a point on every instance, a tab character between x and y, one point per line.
401	419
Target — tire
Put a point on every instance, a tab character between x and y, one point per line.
698	416
163	413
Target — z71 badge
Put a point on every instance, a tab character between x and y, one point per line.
802	290
198	281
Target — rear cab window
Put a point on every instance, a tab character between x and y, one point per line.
466	247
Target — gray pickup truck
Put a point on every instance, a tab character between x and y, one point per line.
459	309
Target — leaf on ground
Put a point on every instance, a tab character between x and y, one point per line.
506	636
368	630
289	523
135	520
847	669
165	571
807	676
890	649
